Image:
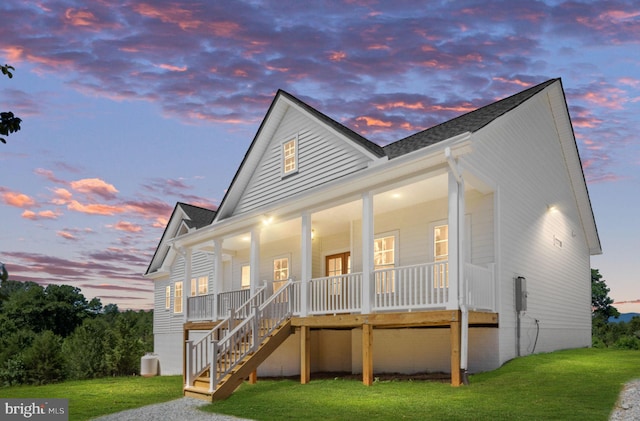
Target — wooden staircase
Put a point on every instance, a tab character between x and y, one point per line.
231	381
242	349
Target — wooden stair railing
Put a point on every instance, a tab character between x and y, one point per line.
198	354
244	347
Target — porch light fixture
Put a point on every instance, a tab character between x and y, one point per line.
267	220
313	234
552	208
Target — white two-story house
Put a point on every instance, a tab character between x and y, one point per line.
453	250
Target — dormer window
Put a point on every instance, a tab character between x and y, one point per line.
290	156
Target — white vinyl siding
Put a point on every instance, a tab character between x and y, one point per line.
321	158
521	152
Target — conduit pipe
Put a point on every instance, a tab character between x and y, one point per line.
462	285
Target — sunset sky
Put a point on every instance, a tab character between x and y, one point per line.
130	106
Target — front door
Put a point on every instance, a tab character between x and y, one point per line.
338	264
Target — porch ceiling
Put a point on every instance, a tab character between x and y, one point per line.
337	218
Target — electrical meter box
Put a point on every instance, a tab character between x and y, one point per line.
521	294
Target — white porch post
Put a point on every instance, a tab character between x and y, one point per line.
306	264
454	242
217	274
254	261
367	251
186	287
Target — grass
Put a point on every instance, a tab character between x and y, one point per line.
93	398
565	385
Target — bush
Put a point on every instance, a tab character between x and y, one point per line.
87	348
13	372
43	361
627	342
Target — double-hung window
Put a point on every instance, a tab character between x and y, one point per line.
441	256
167	297
177	298
290	156
199	286
384	257
280	272
245	277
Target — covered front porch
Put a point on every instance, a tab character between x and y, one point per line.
415	252
420	243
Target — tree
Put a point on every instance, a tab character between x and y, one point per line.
9	123
601	303
4	275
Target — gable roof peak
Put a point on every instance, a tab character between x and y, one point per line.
468	122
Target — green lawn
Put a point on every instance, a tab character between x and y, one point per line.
566	385
93	398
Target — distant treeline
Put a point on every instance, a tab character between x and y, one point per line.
49	334
620	335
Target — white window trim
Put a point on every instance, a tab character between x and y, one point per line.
242	266
295	139
167	297
283	256
388	285
396	245
467	237
177	301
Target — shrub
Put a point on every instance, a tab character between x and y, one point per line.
87	348
627	342
43	361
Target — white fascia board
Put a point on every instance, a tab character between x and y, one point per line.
571	156
336	133
345	189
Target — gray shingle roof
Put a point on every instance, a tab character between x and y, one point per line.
370	146
199	217
469	122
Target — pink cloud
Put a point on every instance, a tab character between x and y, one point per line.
66	235
95	208
127	226
173	68
61	196
46	214
95	186
19	200
49	175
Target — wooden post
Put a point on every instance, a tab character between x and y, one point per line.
367	354
456	378
305	354
185	338
253	377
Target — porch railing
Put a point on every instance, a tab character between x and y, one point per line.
479	287
412	287
336	294
202	307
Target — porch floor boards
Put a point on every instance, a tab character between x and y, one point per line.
395	320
